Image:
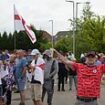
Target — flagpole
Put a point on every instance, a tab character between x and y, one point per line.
14	29
52	38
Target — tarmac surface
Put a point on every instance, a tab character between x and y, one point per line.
60	98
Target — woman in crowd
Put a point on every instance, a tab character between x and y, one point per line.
8	80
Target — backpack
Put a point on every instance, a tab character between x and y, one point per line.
52	67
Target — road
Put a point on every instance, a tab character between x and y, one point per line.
60	98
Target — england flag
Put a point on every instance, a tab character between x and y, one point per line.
20	25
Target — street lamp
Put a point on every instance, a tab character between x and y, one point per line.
52	37
73	27
75	24
77	3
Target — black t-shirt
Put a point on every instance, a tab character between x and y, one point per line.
62	69
72	72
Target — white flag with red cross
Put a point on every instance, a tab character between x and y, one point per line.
20	25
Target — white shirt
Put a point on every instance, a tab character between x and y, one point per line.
39	72
3	73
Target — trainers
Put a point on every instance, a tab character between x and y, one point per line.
17	91
70	89
58	89
22	104
63	89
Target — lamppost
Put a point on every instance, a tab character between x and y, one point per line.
73	26
77	3
52	36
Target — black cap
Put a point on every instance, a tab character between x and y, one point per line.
91	53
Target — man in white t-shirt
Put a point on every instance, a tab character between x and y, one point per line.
37	66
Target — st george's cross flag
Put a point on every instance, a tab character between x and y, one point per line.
21	25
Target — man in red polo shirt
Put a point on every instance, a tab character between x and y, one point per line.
89	78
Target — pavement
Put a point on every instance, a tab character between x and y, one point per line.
60	98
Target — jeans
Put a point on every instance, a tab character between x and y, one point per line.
1	90
49	88
78	102
71	77
61	81
8	96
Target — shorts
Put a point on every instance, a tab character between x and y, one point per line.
21	84
36	91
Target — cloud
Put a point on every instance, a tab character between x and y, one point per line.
39	12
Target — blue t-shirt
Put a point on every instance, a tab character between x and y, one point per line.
4	57
20	64
98	62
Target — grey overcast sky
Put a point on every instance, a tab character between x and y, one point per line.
39	12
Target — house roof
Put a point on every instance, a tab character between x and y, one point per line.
46	35
61	34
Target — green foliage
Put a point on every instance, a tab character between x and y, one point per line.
23	41
10	42
90	34
41	43
4	41
64	44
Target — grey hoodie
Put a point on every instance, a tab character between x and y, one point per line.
48	65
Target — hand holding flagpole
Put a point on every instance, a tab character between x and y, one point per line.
63	59
60	56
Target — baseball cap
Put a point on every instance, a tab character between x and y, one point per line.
92	53
48	53
35	52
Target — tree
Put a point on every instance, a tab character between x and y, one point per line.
41	43
64	44
91	32
23	41
10	42
4	41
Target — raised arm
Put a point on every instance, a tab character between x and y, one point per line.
63	59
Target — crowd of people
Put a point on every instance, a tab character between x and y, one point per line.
19	67
39	69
